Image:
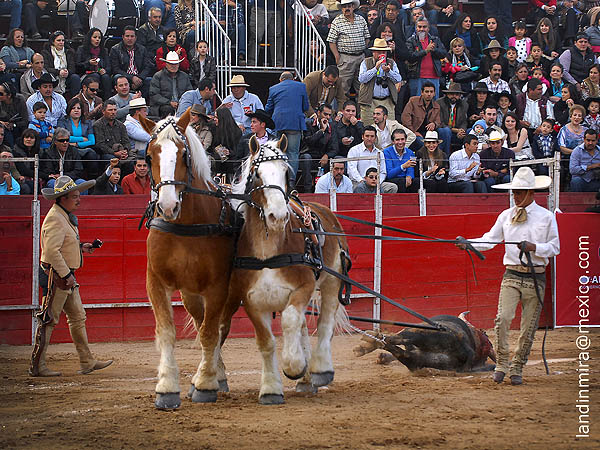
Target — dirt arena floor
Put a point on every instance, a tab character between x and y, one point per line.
368	405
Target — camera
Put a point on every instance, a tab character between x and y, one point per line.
383	82
97	243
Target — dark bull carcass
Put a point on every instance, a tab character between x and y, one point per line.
460	347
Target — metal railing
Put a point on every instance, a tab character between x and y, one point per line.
309	49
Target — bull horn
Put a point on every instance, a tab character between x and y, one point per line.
463	316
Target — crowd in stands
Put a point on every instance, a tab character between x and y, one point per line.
398	84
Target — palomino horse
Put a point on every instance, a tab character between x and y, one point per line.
190	249
267	233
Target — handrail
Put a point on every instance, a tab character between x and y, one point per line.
309	49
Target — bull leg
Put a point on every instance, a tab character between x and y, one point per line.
167	388
271	387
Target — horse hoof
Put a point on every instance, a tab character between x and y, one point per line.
223	386
296	377
322	379
169	400
191	391
204	396
306	387
271	399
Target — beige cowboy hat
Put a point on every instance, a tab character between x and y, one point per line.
63	185
199	109
494	44
380	45
495	136
526	179
356	3
172	58
432	136
453	88
238	80
137	103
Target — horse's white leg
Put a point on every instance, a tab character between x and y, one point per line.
305	384
167	388
321	363
293	359
271	387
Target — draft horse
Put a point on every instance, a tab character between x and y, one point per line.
190	248
267	236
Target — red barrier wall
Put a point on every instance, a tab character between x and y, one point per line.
430	278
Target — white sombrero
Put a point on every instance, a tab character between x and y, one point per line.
526	179
172	58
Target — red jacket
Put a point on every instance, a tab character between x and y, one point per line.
540	3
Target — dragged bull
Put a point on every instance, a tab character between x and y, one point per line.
460	347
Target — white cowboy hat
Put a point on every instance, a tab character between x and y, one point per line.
526	179
137	103
380	45
238	80
172	58
63	185
432	136
495	136
356	3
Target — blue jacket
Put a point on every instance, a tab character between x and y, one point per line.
287	103
393	164
87	130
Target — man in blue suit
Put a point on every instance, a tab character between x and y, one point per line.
287	103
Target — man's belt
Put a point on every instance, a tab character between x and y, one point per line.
351	54
523	269
380	98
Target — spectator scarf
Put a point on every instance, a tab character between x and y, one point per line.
132	70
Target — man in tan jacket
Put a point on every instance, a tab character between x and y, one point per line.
61	257
324	87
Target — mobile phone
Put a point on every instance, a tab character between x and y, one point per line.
383	58
97	243
351	138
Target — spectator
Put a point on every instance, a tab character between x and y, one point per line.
400	163
520	42
204	94
8	185
92	58
341	183
422	114
379	77
166	9
372	16
511	57
457	65
185	22
151	35
108	182
14	8
463	28
556	83
478	130
80	19
321	144
33	73
27	146
81	136
590	87
493	82
319	15
168	86
260	124
493	31
241	102
442	11
385	128
14	116
55	103
394	15
170	45
111	135
33	12
517	138
425	52
453	112
572	134
494	55
410	25
202	66
130	58
477	100
537	60
545	144
348	128
506	103
570	96
348	37
592	119
231	18
137	182
200	122
577	60
500	9
323	87
90	102
60	151
138	137
358	170
61	64
585	164
540	9
123	96
41	125
520	79
490	116
532	107
15	53
266	22
495	160
3	147
547	38
287	102
368	185
465	169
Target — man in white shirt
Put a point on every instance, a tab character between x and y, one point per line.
138	137
465	169
55	103
386	127
341	183
535	228
358	169
493	81
241	102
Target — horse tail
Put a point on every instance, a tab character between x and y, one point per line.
342	322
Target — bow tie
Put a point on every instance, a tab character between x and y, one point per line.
520	216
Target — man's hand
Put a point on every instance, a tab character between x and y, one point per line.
137	81
347	140
324	160
408	181
324	124
525	124
138	94
379	63
430	47
174	104
114	162
87	248
527	246
70	281
430	126
64	73
353	120
227	105
7	178
471	167
409	163
593	166
242	127
461	133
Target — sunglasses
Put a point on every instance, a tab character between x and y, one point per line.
62	141
92	89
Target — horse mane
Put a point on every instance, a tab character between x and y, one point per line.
200	161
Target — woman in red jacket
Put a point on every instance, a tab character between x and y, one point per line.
171	45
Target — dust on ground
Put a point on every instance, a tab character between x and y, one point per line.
367	406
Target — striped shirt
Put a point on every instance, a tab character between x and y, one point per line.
459	162
349	37
501	86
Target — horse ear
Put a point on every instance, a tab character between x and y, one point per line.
184	120
147	124
283	143
253	144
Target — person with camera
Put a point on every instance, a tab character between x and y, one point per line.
61	257
379	78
